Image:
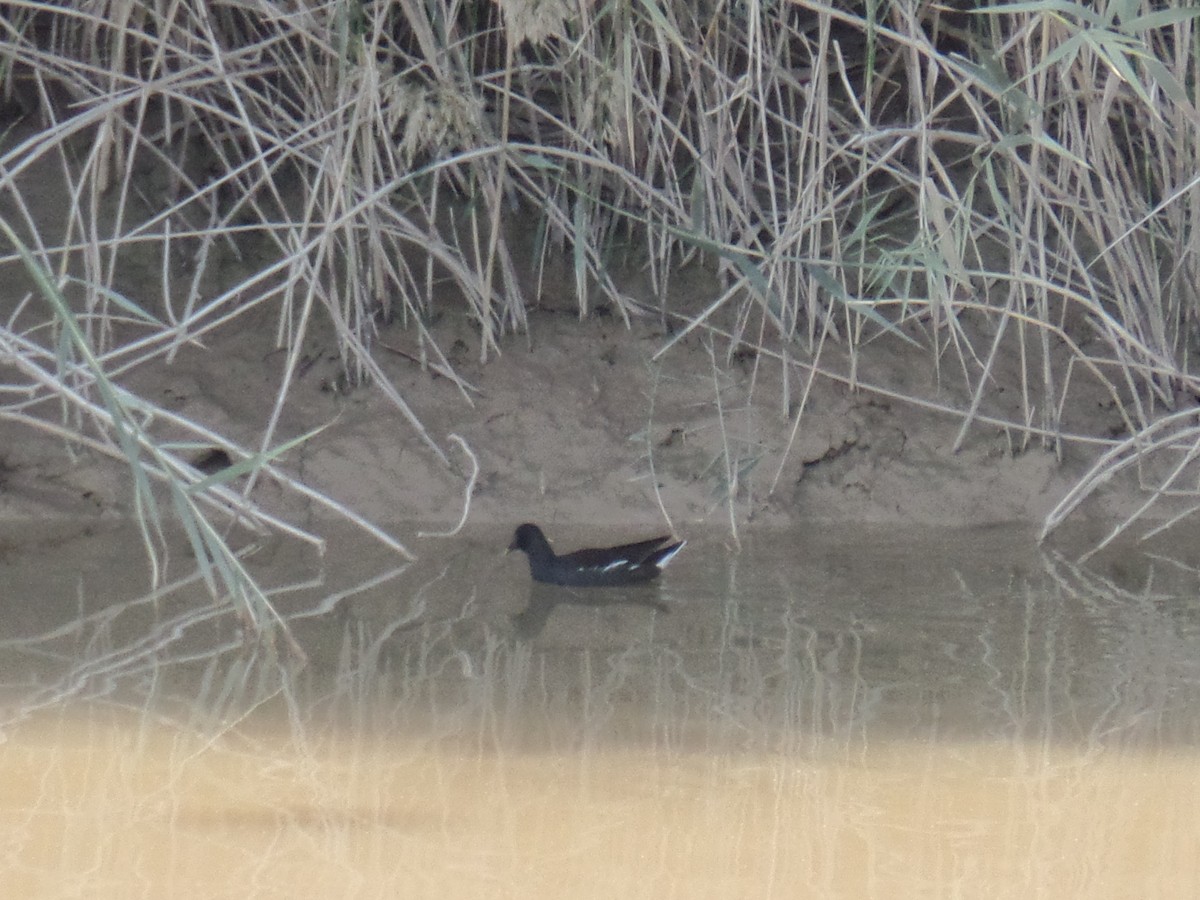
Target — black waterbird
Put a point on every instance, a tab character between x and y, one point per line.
602	567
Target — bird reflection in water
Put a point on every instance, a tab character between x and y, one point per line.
543	599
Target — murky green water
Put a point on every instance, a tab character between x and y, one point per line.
838	712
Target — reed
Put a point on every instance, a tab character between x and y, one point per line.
1012	189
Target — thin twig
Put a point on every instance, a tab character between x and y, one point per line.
467	493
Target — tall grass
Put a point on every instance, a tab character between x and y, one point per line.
1012	189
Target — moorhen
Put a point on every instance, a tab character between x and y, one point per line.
605	567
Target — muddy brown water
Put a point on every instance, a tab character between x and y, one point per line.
834	712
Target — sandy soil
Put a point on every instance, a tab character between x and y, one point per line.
577	422
582	422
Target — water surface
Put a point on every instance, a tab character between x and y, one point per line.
833	712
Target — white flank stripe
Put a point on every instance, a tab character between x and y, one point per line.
662	563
